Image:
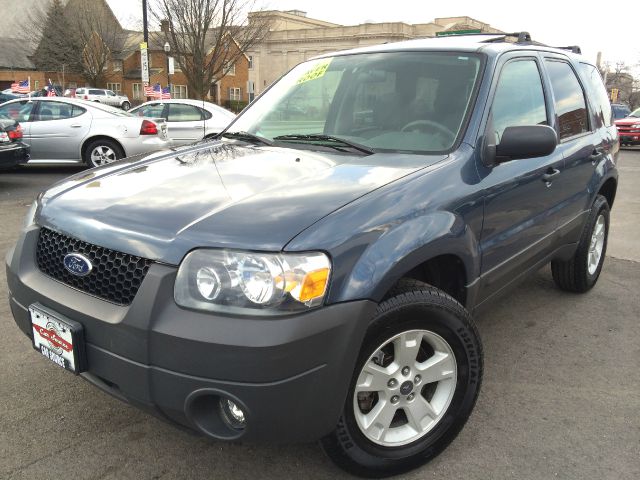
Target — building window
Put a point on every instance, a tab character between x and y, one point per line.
116	87
137	91
235	94
250	62
36	84
179	91
116	65
230	69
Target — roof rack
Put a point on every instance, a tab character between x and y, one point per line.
521	37
571	48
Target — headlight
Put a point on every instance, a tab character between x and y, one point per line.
31	215
235	282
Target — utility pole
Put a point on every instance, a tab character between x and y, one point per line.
145	25
145	33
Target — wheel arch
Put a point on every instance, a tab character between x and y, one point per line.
439	249
608	190
87	142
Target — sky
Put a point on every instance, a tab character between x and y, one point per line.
594	27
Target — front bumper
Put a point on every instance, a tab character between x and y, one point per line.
290	374
628	137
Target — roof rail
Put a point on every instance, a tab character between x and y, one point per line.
522	37
571	48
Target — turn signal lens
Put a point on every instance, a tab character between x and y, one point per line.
148	128
314	285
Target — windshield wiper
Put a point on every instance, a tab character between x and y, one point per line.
249	137
335	141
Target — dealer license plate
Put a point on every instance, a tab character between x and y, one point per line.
61	341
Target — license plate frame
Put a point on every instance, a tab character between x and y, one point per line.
57	338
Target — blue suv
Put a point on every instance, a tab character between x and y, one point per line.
304	278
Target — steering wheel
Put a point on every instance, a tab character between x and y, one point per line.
420	124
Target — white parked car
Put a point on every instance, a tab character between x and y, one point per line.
188	120
67	130
101	95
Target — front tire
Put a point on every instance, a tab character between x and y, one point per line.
102	152
416	382
126	106
581	272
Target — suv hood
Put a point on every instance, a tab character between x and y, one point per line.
214	195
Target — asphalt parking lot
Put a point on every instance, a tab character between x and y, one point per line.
560	399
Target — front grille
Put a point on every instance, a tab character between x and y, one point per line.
115	277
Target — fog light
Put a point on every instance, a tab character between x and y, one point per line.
232	414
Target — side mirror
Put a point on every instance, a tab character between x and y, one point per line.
528	141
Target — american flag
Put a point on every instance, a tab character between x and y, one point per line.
157	91
166	93
21	87
51	92
148	90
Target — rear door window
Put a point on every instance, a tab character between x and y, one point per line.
570	104
97	92
57	111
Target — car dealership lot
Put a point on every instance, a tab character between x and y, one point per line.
559	399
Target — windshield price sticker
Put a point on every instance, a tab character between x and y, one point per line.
316	72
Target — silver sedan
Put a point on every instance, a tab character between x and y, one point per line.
66	130
188	120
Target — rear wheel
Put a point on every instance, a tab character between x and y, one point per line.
102	152
126	106
415	384
581	272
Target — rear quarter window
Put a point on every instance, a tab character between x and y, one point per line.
570	104
598	93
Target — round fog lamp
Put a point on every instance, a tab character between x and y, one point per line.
233	414
208	283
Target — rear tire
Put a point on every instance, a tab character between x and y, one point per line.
581	272
102	152
126	106
415	384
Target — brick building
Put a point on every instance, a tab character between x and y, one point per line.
123	71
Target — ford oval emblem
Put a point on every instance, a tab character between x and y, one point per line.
77	264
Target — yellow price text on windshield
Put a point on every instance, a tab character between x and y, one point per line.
317	71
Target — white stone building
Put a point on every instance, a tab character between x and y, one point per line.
293	37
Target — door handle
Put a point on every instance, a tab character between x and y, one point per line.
596	155
548	177
76	125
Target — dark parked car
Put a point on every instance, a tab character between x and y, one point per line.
301	280
5	97
12	151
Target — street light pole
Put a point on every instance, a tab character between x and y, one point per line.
167	49
145	26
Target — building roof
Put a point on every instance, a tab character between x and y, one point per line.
15	53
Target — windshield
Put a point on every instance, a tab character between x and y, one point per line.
392	101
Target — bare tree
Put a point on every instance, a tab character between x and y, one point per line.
208	36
